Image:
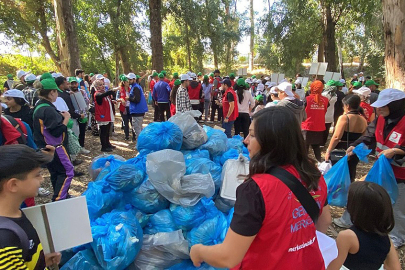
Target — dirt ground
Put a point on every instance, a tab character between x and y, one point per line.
127	150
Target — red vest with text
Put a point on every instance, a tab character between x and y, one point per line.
368	110
103	111
194	93
315	114
394	138
225	105
287	239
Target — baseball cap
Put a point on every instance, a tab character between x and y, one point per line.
260	87
364	91
357	85
72	79
56	75
15	93
49	84
99	77
91	74
267	78
248	81
175	75
387	96
161	75
211	74
163	72
155	74
298	81
199	74
30	77
273	90
131	76
240	82
193	75
20	73
227	82
254	77
355	75
232	75
267	84
184	77
342	81
259	98
10	76
370	82
286	88
258	81
177	82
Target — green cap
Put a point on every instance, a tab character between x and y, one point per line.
49	84
72	79
175	75
91	74
240	82
338	83
177	82
293	86
199	74
138	77
206	77
357	85
232	75
370	82
254	77
331	83
155	74
247	85
46	75
259	98
10	76
211	74
161	75
123	78
163	72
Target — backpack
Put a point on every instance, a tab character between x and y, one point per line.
19	126
8	224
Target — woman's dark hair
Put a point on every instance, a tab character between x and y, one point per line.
173	94
239	91
87	78
353	101
365	202
19	101
281	143
206	81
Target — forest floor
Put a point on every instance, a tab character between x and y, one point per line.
127	150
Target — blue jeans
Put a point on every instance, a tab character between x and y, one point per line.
228	128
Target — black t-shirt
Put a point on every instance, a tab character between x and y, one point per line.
249	209
11	248
24	114
229	97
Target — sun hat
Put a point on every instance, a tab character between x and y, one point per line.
387	96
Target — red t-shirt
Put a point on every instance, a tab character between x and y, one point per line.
368	110
287	238
315	114
151	85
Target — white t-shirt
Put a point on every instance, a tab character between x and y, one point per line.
345	90
248	101
61	105
331	108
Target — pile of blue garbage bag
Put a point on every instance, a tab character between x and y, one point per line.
147	212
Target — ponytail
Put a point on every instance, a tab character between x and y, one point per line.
239	92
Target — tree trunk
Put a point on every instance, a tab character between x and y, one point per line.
117	69
252	36
321	51
155	20
188	48
394	33
330	41
66	37
340	56
123	57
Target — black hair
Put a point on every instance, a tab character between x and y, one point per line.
365	202
18	160
353	101
239	91
19	101
78	71
281	143
60	80
173	94
87	78
206	81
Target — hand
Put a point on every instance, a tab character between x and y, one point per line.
389	153
349	151
66	115
327	156
226	120
53	258
194	255
50	150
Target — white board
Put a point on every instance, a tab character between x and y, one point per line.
280	78
68	221
242	72
336	76
305	81
274	77
322	68
314	69
318	68
328	76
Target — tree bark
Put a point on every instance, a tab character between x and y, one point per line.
330	41
252	35
123	57
394	34
188	48
66	37
321	50
155	20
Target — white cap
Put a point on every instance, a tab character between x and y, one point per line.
30	77
39	77
184	77
273	84
286	88
273	90
56	75
193	75
21	73
253	81
267	78
267	84
131	76
387	96
15	93
298	81
355	75
342	81
189	73
99	77
248	81
260	87
361	73
258	81
363	91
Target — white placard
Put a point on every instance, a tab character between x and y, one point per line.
280	78
336	76
314	69
305	81
68	221
328	76
242	72
274	77
318	68
322	68
233	175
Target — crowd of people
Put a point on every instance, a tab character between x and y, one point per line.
280	122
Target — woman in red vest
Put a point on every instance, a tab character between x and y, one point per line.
313	127
270	228
388	132
364	93
229	107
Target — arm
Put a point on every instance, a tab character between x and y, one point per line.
392	260
226	255
337	135
51	120
344	241
99	97
324	220
368	138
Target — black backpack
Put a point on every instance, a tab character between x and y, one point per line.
8	224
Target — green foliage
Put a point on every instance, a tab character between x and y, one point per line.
10	63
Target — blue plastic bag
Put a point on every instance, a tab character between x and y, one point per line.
188	265
362	152
211	232
142	218
160	135
205	166
217	142
102	165
192	154
338	181
117	239
126	177
101	198
139	161
187	218
236	142
146	198
84	259
232	154
162	221
381	173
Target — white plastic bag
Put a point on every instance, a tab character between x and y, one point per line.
166	171
234	172
328	248
324	167
193	134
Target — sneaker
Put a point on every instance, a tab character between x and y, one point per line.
112	146
338	222
43	192
106	150
84	151
77	162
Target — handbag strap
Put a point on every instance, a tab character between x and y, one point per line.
348	131
302	194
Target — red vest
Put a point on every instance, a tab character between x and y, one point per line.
287	239
225	105
123	95
315	115
171	84
232	83
151	85
104	111
368	110
395	137
194	93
